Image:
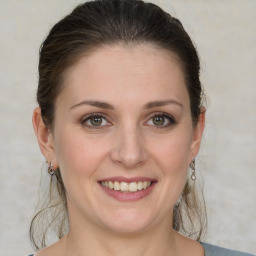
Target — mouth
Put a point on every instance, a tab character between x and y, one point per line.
124	189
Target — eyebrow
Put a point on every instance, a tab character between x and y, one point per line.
94	103
160	103
105	105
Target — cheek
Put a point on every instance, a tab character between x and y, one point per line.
173	152
76	154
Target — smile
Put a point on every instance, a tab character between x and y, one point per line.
127	189
126	186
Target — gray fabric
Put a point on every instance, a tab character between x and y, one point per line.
211	250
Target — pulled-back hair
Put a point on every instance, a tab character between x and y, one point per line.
87	28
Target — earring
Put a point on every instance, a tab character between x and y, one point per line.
193	167
50	169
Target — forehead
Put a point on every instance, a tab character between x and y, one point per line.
144	71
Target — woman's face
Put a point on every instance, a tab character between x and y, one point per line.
123	138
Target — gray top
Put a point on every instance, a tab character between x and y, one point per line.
212	250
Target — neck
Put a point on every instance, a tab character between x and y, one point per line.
87	240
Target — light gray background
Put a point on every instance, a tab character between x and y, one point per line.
225	34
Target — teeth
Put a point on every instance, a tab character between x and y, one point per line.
125	186
144	184
116	185
110	184
133	187
139	186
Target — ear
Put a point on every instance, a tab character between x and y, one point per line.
198	133
44	137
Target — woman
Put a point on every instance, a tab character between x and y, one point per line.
119	122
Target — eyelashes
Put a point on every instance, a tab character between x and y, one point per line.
161	120
95	121
99	121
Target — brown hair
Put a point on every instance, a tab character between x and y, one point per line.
88	27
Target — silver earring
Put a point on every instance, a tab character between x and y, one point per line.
50	169
193	167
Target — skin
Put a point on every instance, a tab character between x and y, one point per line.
128	143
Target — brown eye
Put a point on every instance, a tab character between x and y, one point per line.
159	120
96	120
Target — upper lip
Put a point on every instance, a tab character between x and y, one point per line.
128	180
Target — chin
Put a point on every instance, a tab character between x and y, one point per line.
130	221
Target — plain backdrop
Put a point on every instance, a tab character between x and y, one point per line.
224	32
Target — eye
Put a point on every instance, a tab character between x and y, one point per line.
95	121
161	120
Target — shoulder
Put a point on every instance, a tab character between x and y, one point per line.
212	250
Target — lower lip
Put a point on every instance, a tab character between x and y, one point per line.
128	196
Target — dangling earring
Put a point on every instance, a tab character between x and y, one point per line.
193	167
50	169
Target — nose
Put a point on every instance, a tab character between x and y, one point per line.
128	148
